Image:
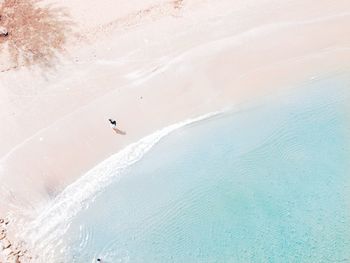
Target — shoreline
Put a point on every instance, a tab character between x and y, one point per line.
148	77
78	194
64	207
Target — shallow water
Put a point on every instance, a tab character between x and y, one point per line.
266	184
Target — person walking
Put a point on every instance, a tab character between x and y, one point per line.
113	124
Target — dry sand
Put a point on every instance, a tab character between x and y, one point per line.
148	64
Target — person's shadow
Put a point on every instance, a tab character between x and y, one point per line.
120	132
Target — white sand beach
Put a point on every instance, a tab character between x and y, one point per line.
147	64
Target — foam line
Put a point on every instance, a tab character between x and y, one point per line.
53	222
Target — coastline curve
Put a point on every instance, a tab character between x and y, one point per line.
54	221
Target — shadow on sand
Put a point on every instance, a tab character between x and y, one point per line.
36	33
117	131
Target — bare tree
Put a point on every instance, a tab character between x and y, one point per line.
36	34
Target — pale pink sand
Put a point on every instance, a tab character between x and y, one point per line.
206	56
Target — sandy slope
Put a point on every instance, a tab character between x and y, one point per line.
150	63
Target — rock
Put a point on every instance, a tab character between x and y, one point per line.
2	235
6	243
7	252
2	221
16	251
13	259
3	32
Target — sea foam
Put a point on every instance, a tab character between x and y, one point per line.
44	234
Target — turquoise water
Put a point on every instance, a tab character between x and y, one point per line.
267	184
